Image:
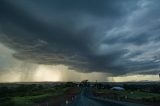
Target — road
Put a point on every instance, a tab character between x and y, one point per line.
87	99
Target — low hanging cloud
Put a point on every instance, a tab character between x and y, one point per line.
111	36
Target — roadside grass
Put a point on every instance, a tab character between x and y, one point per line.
30	97
26	100
129	95
137	95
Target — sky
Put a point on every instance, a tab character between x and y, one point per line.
73	40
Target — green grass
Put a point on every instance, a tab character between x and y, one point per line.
141	96
132	95
46	93
30	97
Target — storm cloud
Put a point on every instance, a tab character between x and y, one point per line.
112	36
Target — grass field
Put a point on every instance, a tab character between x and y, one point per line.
27	95
138	96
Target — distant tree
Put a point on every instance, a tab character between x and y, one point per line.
70	84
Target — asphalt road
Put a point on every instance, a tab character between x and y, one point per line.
87	99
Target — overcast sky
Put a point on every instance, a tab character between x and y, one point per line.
102	38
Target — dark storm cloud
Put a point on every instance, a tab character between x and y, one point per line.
139	39
109	36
